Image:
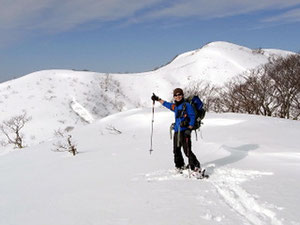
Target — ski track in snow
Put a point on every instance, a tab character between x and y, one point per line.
228	185
164	175
227	182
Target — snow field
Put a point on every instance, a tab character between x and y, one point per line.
114	179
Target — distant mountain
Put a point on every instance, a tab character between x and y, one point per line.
215	62
65	98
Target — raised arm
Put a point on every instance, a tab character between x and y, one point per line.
163	102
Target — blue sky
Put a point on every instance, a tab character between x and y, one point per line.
134	35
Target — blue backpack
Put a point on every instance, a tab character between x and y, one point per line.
199	111
197	105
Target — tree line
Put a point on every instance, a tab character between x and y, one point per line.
272	89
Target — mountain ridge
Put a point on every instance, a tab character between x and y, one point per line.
49	95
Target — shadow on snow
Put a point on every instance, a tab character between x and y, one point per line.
236	154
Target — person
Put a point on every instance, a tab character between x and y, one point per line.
184	122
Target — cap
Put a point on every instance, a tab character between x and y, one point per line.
177	91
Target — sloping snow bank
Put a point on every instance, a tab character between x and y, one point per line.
114	180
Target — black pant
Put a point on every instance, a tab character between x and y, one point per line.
185	142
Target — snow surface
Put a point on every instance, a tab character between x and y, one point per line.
253	161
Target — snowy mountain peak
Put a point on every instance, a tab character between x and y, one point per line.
217	62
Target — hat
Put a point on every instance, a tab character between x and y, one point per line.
177	91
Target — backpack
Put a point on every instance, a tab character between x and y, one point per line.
199	111
197	105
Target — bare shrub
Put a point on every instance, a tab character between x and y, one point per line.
258	51
206	92
263	88
64	143
285	72
112	92
271	90
12	130
227	98
249	94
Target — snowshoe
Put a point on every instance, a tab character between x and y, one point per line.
199	174
179	170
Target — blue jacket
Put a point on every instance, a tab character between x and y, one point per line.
188	114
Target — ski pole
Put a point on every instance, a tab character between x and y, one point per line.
189	155
151	137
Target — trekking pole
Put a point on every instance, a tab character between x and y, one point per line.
151	137
200	129
189	155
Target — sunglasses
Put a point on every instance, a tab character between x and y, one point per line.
177	95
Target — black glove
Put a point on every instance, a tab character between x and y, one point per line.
155	98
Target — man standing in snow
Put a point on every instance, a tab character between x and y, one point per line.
184	122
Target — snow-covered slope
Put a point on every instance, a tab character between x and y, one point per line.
64	98
217	62
253	162
60	99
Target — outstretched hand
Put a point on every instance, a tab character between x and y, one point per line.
155	98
